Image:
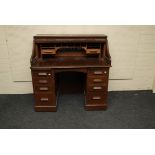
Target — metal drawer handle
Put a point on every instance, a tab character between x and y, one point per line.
44	99
97	88
98	72
43	88
97	80
96	98
42	74
43	81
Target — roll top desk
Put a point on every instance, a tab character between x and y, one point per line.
87	54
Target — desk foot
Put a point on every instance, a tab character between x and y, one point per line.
45	108
95	107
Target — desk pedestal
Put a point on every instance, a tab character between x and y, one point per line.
45	88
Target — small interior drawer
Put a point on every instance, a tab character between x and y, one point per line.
93	51
48	51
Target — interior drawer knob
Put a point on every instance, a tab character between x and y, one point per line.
105	72
49	74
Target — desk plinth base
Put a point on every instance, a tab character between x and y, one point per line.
95	107
45	108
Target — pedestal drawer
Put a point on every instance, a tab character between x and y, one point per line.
97	80
44	99
97	87
42	73
45	88
42	81
98	71
96	97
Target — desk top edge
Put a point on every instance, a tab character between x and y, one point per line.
68	67
70	35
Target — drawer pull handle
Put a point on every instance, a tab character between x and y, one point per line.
98	72
42	74
43	81
97	88
44	99
96	98
43	88
97	80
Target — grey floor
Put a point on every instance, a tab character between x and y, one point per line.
134	109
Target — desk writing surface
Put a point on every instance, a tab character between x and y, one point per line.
70	62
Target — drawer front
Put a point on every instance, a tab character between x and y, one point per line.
44	99
43	81
97	87
97	80
98	71
43	89
42	73
96	97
